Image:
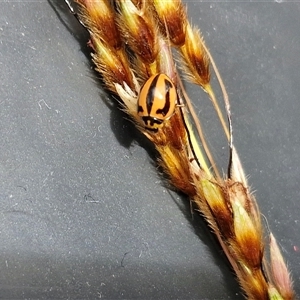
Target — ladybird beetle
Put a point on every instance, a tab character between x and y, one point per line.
157	100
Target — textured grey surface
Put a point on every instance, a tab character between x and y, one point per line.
83	213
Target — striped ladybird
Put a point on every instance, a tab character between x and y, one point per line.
157	101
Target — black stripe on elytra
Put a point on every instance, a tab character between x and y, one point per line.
163	111
140	109
151	94
150	121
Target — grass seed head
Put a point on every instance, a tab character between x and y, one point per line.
195	57
215	198
227	204
100	17
139	31
175	165
280	273
172	19
171	143
248	238
112	65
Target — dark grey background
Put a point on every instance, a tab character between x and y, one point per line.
83	212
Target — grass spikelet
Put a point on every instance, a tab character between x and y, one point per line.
247	237
111	64
196	58
100	18
139	31
172	145
172	19
255	285
132	43
279	271
220	209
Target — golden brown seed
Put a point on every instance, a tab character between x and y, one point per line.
172	19
139	31
216	200
247	236
112	65
100	18
196	57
